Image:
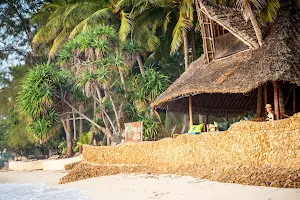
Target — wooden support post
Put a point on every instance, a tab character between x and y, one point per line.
265	96
207	115
191	110
226	116
294	98
276	99
259	102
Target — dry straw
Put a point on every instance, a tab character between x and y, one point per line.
254	153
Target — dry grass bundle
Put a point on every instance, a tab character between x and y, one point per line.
72	165
252	153
285	178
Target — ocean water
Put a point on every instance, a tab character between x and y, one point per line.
37	192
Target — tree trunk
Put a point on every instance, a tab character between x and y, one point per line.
108	132
67	128
122	79
106	115
193	45
186	50
81	109
265	96
116	113
276	99
256	28
186	63
140	62
92	138
281	103
84	116
74	127
259	102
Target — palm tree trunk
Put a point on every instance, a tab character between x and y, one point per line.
186	63
122	79
193	45
140	62
67	128
186	50
256	28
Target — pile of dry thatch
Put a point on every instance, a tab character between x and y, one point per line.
253	153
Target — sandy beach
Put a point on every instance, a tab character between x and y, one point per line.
139	187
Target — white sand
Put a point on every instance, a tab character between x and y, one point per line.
163	187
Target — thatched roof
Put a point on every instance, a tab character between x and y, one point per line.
278	59
230	19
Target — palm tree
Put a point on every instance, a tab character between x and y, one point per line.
149	17
64	19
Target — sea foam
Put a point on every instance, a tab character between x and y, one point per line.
37	192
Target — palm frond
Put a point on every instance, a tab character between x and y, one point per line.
183	25
126	25
269	12
49	32
57	43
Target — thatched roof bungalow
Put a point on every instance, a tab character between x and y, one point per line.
237	75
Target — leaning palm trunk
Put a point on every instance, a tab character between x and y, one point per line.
256	28
193	45
247	12
140	62
186	50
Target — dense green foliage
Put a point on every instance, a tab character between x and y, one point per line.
107	61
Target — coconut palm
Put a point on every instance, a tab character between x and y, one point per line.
148	17
63	19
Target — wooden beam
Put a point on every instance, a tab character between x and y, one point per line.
294	99
207	109
265	94
191	110
226	116
207	115
259	102
276	99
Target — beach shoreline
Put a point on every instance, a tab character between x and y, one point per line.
139	187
